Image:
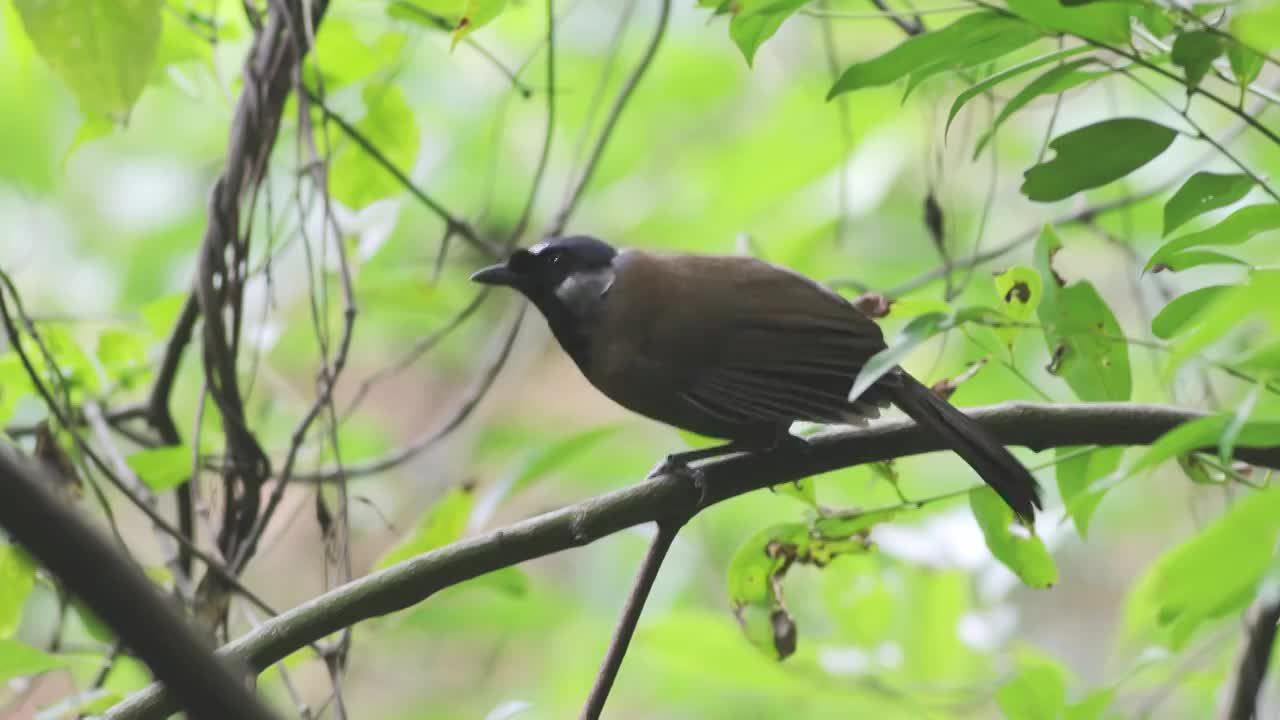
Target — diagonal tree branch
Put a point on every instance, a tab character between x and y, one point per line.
108	582
1254	659
1034	425
662	539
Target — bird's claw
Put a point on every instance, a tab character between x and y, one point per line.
674	466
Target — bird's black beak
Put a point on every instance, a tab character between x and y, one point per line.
495	275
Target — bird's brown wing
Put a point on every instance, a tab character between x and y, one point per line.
789	350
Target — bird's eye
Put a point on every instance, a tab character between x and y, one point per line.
556	258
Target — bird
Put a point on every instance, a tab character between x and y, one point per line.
734	348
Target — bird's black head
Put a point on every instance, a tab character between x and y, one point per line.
567	278
539	271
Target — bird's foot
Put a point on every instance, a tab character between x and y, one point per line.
674	465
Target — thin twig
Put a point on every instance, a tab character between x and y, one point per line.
662	539
453	224
619	104
548	133
1253	661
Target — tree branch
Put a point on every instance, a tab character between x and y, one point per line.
662	539
89	567
1034	425
1254	661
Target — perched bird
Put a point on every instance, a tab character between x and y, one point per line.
732	348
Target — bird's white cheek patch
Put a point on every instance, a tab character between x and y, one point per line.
584	292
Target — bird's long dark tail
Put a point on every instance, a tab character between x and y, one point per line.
984	453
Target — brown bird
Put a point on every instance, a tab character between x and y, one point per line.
732	348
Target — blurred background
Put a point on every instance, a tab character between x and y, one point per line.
99	229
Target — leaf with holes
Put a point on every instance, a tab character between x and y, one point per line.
102	49
1201	193
1082	334
1017	549
1095	155
1236	229
1019	289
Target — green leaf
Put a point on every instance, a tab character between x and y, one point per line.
17	580
802	490
475	15
1200	434
355	178
102	49
945	48
1226	313
123	356
21	660
558	454
1095	155
1008	73
1037	692
161	314
755	21
1214	573
1058	79
1106	22
1194	51
342	57
1256	26
162	468
440	525
980	51
1077	472
1020	551
1201	193
1081	333
1187	259
1236	229
1019	289
1245	64
511	581
1182	310
844	524
1091	707
917	331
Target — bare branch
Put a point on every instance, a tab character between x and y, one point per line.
1253	661
90	567
662	539
1037	426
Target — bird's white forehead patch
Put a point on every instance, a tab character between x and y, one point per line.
537	249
